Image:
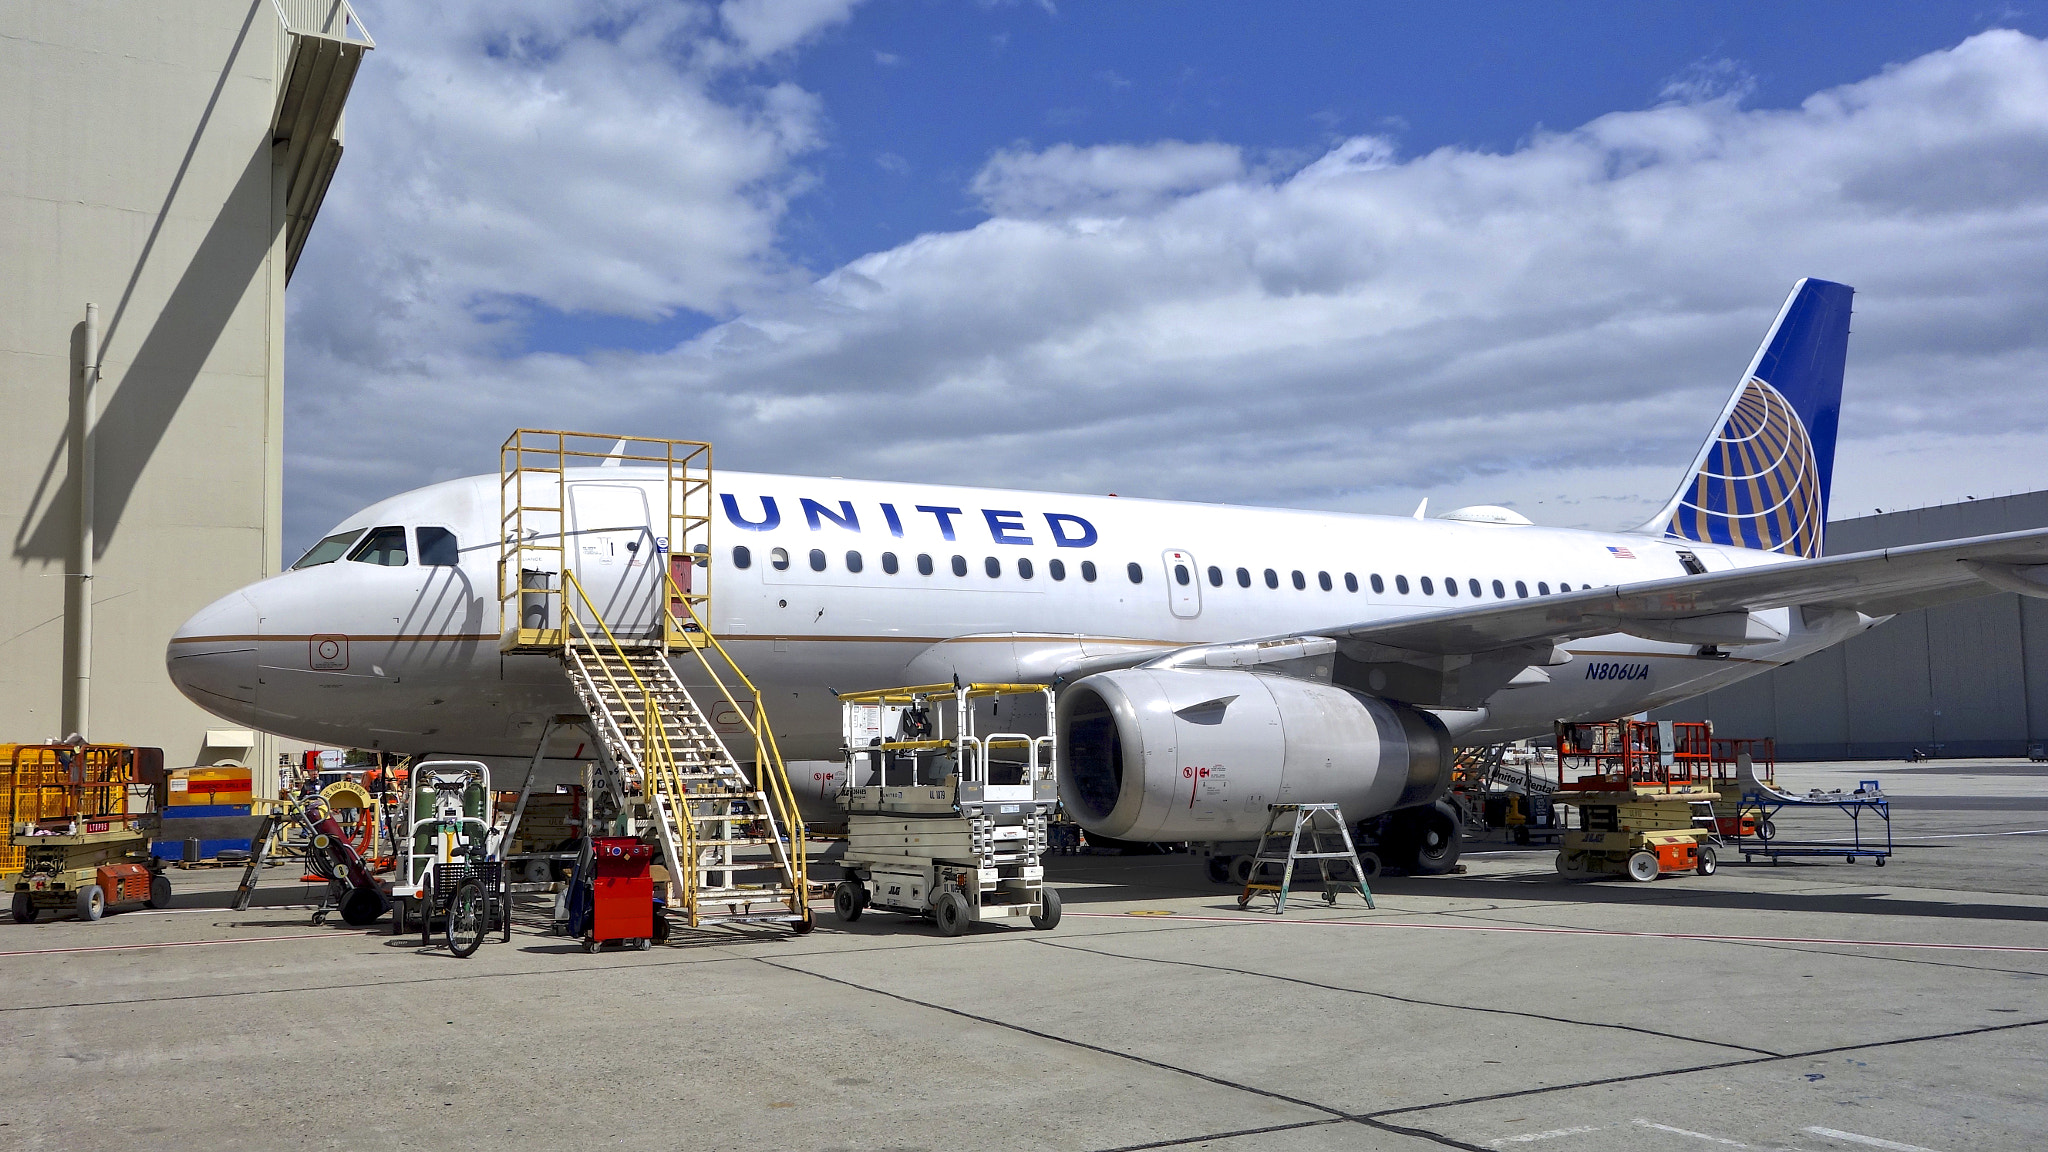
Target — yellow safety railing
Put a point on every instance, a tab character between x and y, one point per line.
771	775
657	754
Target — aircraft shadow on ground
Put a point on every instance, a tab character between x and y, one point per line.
1108	883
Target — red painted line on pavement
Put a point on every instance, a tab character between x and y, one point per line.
190	943
1706	936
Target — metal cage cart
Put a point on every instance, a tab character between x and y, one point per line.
1767	802
446	866
947	826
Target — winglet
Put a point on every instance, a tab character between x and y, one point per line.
1422	509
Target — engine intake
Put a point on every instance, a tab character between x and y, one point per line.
1198	754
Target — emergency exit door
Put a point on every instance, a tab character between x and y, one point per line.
1183	584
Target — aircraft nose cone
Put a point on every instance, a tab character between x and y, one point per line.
212	656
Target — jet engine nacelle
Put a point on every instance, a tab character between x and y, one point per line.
1198	754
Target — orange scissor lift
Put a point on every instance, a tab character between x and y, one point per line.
1645	794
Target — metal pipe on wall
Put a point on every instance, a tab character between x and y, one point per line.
78	630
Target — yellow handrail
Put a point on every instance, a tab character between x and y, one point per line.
767	754
661	763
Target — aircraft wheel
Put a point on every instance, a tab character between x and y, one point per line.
24	909
1240	871
1431	838
952	914
1643	866
1709	860
1049	905
849	900
92	902
159	892
1219	869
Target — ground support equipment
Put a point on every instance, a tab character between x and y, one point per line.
80	820
620	895
1767	803
616	610
953	828
446	870
1329	841
1644	793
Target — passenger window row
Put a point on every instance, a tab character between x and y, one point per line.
992	567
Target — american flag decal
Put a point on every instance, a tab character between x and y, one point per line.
1621	553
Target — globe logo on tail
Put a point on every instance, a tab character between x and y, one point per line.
1759	485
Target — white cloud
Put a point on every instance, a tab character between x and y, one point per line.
1108	179
766	27
1551	327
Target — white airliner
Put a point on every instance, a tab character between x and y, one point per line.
1211	659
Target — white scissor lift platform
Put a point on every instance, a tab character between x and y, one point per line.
951	827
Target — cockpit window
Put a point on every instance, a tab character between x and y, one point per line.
329	550
384	546
438	548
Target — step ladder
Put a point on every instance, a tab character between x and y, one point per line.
1328	842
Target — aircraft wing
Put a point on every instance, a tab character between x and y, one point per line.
1458	657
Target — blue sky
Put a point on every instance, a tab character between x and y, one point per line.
1324	255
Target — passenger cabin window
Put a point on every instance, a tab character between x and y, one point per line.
817	559
779	559
924	564
1351	582
1244	578
437	547
1272	578
1181	575
1300	581
1473	585
1058	568
959	565
1543	588
1500	591
1522	589
1379	585
742	556
889	563
1323	580
1215	576
329	550
1400	584
853	562
384	546
1450	585
1088	571
1024	567
1136	573
1428	589
993	567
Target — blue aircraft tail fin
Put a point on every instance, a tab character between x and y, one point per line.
1762	479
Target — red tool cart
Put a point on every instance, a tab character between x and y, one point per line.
622	893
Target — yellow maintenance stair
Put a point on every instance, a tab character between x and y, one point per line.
604	563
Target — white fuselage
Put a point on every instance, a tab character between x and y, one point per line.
406	658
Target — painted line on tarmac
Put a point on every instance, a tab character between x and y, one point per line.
189	943
1867	1141
1535	931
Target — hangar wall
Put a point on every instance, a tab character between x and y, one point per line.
162	161
1962	679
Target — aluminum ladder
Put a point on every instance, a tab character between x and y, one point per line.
729	858
1328	840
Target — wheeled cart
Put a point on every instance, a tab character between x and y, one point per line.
953	828
447	868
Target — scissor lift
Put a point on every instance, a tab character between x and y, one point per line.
946	826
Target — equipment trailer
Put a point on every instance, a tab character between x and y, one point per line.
939	826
